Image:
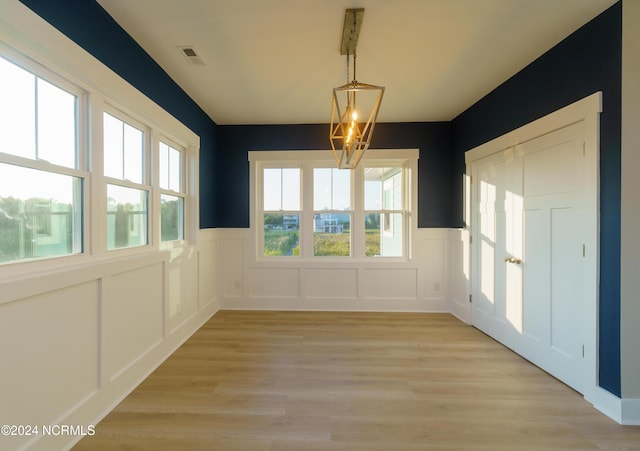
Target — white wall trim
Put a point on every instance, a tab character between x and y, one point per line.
629	212
630	412
624	411
419	285
459	274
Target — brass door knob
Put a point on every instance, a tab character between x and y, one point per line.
517	261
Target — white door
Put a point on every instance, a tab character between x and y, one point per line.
490	223
527	285
553	171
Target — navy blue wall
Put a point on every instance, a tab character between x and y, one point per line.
89	26
588	61
433	139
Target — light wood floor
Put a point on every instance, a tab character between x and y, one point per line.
351	381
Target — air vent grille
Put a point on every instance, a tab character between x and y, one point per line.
190	52
192	55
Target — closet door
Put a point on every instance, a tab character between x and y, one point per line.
553	218
527	245
496	292
489	175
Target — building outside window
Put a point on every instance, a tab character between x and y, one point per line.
332	212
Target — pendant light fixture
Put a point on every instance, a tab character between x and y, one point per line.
355	105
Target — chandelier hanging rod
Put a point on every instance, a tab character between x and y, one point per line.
351	30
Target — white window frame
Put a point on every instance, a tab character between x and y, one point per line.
145	184
388	212
308	160
80	171
259	200
183	193
351	211
100	90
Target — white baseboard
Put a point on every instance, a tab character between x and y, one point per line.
624	411
336	304
631	412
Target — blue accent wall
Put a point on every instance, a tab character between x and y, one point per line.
88	25
433	139
587	61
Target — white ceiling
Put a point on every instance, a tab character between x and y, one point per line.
276	61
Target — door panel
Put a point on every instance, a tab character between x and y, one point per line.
549	170
535	287
553	187
565	304
490	224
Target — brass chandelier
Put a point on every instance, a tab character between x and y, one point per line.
355	105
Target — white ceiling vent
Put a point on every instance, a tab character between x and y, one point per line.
192	55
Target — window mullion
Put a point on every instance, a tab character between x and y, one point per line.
357	226
36	118
306	226
122	169
151	169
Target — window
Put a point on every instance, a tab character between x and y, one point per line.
316	211
127	196
172	195
384	211
123	150
331	212
281	212
41	180
78	178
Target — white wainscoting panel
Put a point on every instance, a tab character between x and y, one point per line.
390	283
232	265
459	274
331	283
208	271
275	283
75	341
49	355
132	308
421	283
434	252
183	289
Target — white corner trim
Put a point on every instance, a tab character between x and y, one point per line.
630	412
605	402
623	411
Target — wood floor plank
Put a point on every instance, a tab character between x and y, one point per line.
252	380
